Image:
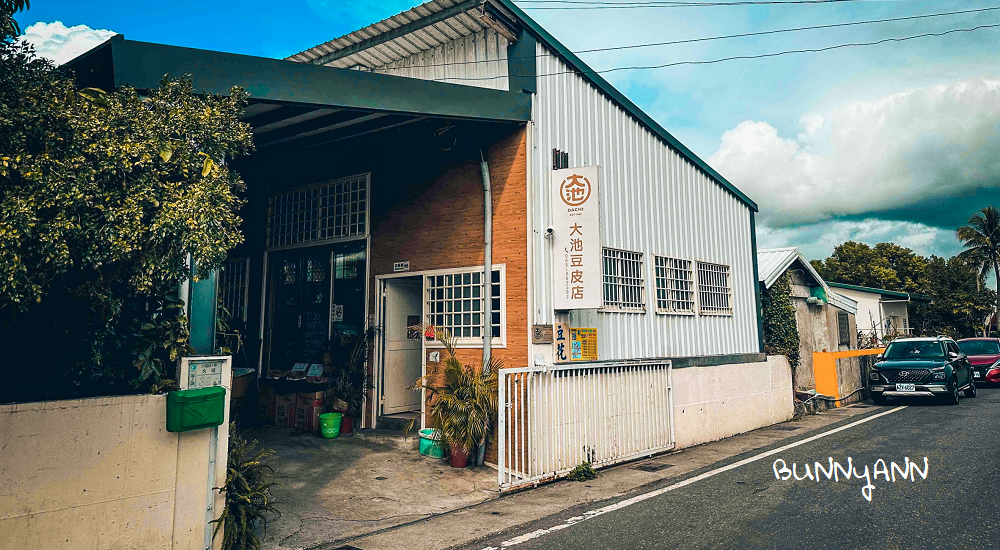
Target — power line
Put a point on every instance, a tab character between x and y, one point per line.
600	5
723	37
745	57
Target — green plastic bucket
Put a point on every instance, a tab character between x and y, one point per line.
430	443
329	425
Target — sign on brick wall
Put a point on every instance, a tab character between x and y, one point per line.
576	257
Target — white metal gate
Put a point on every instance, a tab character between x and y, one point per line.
553	418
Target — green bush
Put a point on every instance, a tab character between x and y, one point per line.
583	472
249	502
781	333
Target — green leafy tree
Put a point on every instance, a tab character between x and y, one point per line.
958	306
104	197
8	26
982	235
858	264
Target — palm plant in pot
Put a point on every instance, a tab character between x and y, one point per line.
349	351
464	408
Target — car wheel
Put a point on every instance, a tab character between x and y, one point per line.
878	399
971	390
951	398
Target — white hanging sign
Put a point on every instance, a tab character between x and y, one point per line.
576	239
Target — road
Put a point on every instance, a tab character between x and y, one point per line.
740	503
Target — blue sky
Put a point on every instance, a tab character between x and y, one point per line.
897	142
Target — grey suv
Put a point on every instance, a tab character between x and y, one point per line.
929	367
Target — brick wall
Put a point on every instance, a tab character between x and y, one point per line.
437	223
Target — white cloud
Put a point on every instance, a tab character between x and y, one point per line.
816	241
861	157
61	43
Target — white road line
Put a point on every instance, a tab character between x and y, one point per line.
645	496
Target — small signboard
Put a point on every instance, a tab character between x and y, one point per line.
337	313
401	266
205	373
541	334
300	367
584	344
561	342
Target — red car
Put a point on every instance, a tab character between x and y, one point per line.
984	354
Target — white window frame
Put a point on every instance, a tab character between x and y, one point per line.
701	284
656	288
640	271
471	342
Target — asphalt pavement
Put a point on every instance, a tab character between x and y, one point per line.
748	502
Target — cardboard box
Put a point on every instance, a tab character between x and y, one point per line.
284	409
265	404
312	395
307	411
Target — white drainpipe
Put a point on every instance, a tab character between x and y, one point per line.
487	261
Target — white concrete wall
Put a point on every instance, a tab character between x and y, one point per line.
711	403
101	473
869	309
872	311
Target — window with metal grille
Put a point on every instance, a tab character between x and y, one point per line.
624	285
674	285
714	294
844	329
233	284
328	211
455	303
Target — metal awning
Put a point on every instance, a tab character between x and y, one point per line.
416	30
294	101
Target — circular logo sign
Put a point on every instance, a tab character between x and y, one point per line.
575	190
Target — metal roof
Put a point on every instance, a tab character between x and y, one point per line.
437	21
448	20
893	293
773	262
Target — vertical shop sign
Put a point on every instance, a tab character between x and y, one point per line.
560	340
576	257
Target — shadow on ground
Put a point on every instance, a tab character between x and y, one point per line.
341	488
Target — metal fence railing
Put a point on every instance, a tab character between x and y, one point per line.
554	418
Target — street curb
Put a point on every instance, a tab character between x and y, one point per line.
652	485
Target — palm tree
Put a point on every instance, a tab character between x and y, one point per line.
982	234
979	261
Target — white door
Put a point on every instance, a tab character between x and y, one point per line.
403	301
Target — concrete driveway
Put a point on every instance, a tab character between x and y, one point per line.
346	487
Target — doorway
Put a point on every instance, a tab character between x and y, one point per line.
315	293
403	355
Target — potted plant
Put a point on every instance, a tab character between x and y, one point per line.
349	351
464	408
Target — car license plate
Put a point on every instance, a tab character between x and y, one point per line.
905	387
977	374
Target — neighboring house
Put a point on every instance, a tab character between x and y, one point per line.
880	311
366	204
825	319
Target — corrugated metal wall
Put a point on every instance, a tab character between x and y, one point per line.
652	201
452	62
